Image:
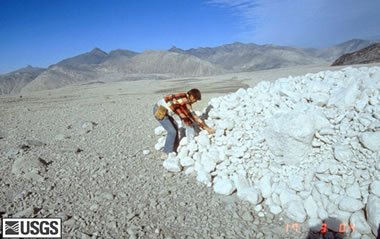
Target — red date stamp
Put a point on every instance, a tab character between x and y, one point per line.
343	227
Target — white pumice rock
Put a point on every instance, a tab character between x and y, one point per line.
208	164
296	183
350	204
295	211
258	208
187	161
172	164
371	140
311	139
250	194
314	224
375	188
160	144
355	235
343	153
159	131
240	182
290	136
366	237
265	186
275	209
223	186
189	170
203	140
354	191
204	177
358	220
345	97
146	152
311	207
184	141
288	195
373	213
343	216
322	214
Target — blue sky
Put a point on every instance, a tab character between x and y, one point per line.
43	32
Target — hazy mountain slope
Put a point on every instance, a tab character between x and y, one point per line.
58	76
96	56
13	82
248	57
119	66
163	62
369	54
332	53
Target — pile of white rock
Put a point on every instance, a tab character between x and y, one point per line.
307	147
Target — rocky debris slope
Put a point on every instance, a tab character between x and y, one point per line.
370	54
306	147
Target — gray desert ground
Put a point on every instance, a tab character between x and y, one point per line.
77	153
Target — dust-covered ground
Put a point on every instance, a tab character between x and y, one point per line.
77	153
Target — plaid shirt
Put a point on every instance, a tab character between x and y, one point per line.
180	104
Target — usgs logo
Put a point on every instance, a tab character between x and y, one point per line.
32	228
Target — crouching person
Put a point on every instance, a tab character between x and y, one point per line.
178	104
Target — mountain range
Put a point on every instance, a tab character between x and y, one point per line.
369	54
119	65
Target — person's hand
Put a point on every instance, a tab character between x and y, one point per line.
210	130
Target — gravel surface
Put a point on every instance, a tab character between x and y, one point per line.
86	154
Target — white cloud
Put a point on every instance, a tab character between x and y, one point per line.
306	23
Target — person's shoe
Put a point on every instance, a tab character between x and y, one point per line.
163	156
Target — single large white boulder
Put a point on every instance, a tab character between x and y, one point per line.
359	222
290	136
342	153
224	186
295	211
345	97
187	161
373	213
354	191
375	188
295	182
265	186
172	164
250	194
349	204
311	207
371	140
204	177
159	131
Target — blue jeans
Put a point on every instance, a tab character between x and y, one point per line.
170	125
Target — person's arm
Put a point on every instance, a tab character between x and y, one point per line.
198	121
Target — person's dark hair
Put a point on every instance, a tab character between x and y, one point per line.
195	93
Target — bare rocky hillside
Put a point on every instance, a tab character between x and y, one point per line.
13	82
370	54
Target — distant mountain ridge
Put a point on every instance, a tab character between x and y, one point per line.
153	64
240	57
96	56
369	54
98	65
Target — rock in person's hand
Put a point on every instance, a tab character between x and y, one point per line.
210	130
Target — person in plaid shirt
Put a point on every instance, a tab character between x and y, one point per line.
179	104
